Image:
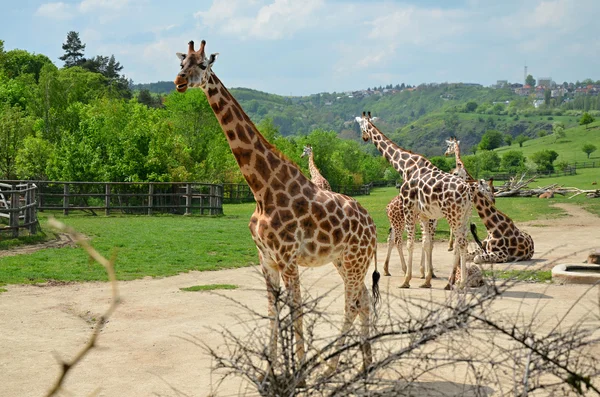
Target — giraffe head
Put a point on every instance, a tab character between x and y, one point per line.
487	189
365	125
195	67
452	146
307	151
460	172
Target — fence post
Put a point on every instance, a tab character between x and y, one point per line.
14	211
107	199
188	198
33	209
150	198
66	199
40	197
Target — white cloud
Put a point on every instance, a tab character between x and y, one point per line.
55	11
94	5
418	26
273	21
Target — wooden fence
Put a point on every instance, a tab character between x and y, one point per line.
235	193
131	197
18	208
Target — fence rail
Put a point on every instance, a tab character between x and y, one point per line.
130	197
18	208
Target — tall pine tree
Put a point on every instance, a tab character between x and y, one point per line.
73	50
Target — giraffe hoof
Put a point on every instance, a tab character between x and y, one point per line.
387	274
405	285
447	287
433	276
425	285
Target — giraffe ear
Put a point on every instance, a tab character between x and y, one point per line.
181	56
358	119
213	58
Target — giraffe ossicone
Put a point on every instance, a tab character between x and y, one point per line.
295	222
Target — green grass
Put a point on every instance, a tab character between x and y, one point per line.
6	243
568	148
161	246
209	287
3	290
536	276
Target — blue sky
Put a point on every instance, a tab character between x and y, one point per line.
301	47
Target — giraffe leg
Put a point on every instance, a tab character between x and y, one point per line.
291	279
451	241
400	252
461	240
365	328
353	303
427	250
411	244
273	290
391	242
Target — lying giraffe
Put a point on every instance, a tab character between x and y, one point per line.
504	241
315	175
295	223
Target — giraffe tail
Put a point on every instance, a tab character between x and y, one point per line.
376	277
474	233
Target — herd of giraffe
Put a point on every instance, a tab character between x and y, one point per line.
299	222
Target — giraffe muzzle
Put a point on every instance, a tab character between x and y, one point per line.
181	84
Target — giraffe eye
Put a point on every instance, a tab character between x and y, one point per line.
202	66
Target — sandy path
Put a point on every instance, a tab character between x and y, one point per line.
142	350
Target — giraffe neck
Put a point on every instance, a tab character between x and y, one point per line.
262	165
489	214
403	161
314	171
459	162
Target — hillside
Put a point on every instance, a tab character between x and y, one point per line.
568	148
419	118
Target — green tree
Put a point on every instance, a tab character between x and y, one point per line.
33	158
513	161
74	50
492	139
144	97
521	139
558	130
14	127
471	106
544	160
488	160
18	63
586	119
529	80
441	162
588	149
508	139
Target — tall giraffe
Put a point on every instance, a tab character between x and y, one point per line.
504	241
453	147
315	175
430	194
295	223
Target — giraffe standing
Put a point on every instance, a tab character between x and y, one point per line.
429	193
504	241
315	175
398	222
295	222
453	147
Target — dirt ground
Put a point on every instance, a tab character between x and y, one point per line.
144	349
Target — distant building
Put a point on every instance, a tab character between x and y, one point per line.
501	83
537	103
546	82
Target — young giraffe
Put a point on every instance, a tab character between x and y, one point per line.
315	175
504	241
453	147
430	194
295	222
